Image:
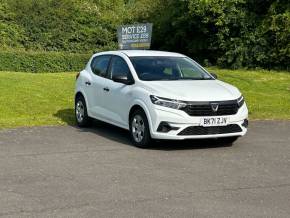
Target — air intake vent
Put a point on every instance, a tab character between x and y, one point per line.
213	130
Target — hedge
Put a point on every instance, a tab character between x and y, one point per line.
25	61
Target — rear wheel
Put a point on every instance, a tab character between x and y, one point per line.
139	129
81	115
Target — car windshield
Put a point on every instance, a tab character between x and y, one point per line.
168	68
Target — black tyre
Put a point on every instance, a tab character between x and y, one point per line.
139	129
81	115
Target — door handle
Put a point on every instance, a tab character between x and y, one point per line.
88	83
106	89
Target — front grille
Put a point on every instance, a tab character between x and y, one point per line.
205	108
212	130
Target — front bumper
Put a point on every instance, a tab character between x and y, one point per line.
181	121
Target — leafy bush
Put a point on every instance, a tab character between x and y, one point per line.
227	33
42	61
59	25
234	33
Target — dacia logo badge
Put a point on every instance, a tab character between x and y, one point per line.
214	107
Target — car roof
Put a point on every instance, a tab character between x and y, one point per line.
136	53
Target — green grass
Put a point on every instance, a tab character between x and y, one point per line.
267	93
29	99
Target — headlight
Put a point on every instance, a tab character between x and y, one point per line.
240	101
165	102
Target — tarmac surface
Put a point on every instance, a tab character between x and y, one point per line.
96	172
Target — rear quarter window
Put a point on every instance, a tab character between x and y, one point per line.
99	65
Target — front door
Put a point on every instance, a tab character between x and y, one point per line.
117	100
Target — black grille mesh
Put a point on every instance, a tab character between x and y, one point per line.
205	109
213	130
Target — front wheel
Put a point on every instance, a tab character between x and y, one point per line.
139	129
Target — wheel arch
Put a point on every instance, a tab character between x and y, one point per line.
79	94
140	105
134	108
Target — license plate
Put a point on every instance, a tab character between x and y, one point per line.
214	121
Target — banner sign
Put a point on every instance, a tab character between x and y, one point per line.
136	36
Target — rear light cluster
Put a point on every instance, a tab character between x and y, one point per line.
77	76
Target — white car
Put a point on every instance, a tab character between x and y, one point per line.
158	95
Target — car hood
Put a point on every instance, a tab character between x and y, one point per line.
192	90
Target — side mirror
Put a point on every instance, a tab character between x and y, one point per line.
214	75
122	79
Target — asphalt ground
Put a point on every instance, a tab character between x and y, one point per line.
96	172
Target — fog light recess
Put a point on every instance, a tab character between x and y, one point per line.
245	123
165	127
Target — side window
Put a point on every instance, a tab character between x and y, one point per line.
119	67
100	64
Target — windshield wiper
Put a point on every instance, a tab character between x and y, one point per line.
206	78
175	79
188	78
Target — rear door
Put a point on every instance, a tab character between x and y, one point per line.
99	70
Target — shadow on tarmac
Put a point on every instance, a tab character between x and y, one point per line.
122	136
